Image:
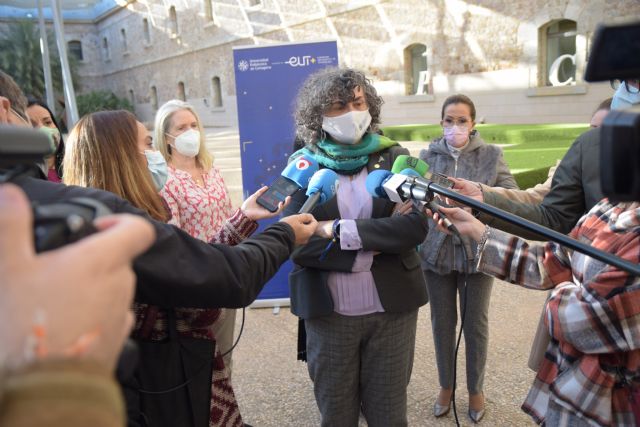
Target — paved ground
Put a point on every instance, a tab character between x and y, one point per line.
274	389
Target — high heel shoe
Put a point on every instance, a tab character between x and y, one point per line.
476	414
441	410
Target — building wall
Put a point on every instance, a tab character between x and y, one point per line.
487	49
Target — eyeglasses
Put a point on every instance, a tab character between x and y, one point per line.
449	122
631	85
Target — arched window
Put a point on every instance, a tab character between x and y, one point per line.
123	37
132	99
216	92
146	31
181	93
106	53
75	49
415	69
558	53
173	21
154	98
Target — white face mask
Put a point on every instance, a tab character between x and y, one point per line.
347	128
188	143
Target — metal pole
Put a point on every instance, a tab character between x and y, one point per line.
548	234
46	65
69	93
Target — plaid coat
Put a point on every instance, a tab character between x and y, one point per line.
593	315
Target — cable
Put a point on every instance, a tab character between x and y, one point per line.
239	335
201	368
463	310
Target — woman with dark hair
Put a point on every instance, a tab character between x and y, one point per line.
42	118
358	286
460	153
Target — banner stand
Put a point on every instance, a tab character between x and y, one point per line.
267	81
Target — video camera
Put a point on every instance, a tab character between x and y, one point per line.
615	55
56	224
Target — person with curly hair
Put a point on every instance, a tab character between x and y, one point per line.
358	284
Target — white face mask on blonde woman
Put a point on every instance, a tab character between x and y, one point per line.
187	143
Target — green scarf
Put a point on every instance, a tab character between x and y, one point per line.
346	159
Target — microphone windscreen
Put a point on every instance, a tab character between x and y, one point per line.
300	170
403	162
375	180
324	181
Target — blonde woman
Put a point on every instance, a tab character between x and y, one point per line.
199	202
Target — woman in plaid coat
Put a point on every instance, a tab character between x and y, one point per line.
591	371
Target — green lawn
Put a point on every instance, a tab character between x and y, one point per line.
528	149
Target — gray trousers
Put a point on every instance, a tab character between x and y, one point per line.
443	291
362	363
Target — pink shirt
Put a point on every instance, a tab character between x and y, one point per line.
200	211
354	293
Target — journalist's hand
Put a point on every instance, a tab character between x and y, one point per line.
255	212
324	229
403	208
72	302
466	188
464	221
303	226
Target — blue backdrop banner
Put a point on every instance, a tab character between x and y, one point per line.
267	82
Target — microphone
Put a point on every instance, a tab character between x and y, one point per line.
322	187
419	170
408	162
417	188
294	177
375	180
404	162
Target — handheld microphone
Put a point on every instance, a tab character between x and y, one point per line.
421	169
408	162
294	177
404	162
322	187
375	180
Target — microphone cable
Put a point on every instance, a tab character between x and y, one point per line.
434	207
200	368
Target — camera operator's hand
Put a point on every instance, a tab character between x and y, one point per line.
255	212
303	226
73	302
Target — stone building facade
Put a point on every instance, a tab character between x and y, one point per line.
521	61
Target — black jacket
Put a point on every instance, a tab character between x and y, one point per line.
179	270
575	189
396	270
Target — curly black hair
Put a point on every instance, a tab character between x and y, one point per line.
322	89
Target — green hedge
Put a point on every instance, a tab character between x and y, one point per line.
529	150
